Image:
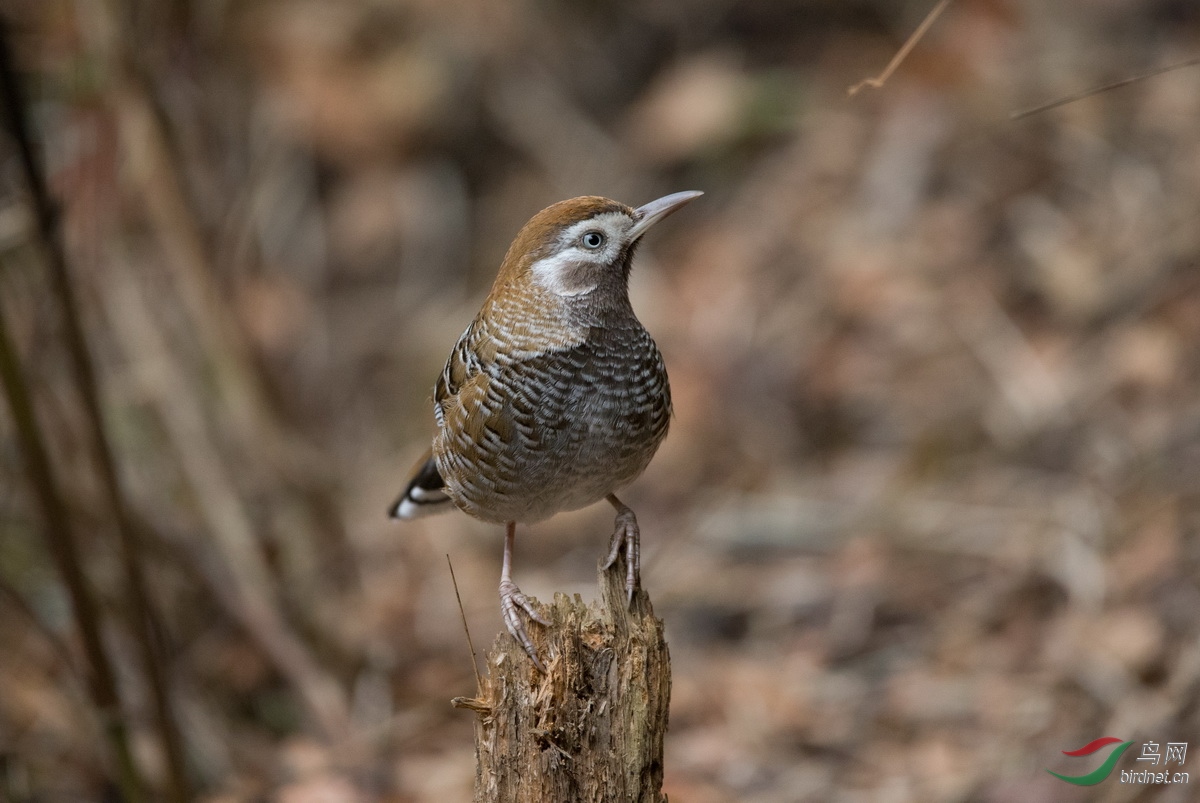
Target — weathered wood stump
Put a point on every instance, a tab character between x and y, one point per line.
591	728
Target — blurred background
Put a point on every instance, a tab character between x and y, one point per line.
928	511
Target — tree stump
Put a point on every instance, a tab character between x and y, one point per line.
589	730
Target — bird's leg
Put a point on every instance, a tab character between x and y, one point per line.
628	535
511	599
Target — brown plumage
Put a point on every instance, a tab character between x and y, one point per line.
555	396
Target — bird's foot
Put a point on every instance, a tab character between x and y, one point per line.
627	535
512	602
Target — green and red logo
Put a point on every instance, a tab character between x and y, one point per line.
1104	770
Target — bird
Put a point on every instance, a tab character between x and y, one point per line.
555	396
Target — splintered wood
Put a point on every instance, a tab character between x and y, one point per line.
591	728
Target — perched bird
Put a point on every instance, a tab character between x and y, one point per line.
555	396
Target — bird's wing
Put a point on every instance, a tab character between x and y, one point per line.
462	366
425	493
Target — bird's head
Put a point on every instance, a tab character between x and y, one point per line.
573	248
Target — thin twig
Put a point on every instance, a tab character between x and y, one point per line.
1097	90
878	81
467	630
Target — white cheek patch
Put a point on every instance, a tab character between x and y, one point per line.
555	273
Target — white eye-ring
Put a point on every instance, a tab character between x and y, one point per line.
592	240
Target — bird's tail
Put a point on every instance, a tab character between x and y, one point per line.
425	494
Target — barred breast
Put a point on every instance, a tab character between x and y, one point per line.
522	438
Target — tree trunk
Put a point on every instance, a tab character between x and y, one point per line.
589	730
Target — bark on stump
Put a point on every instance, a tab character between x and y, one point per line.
591	728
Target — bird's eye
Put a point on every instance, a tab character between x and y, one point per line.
592	240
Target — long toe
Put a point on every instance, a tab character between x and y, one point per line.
628	535
512	604
633	559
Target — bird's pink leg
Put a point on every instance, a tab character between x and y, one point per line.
628	535
511	599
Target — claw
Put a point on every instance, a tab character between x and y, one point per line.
512	602
626	534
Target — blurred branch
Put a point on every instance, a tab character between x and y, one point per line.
1033	393
878	81
154	166
1097	90
59	531
60	647
248	593
575	151
65	550
146	624
156	169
